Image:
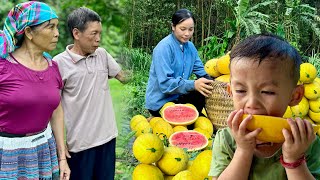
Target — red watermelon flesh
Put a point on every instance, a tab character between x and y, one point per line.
180	114
191	140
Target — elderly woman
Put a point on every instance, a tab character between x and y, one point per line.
30	86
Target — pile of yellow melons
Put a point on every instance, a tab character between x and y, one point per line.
219	68
309	106
159	161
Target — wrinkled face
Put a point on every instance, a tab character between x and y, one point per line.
46	35
89	39
265	89
184	30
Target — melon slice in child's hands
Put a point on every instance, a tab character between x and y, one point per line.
271	127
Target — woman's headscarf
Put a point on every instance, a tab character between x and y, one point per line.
22	15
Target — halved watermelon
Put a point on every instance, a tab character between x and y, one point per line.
180	114
191	140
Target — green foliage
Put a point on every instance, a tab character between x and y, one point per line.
4	10
136	60
139	63
112	16
216	46
125	159
315	60
299	23
149	21
249	19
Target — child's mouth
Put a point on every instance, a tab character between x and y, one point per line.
264	144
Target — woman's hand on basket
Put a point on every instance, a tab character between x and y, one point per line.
246	140
203	86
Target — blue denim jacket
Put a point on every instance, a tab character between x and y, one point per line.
172	65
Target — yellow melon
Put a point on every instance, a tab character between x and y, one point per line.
168	177
142	128
162	129
314	116
211	68
154	120
223	78
201	165
309	119
205	124
223	64
202	131
136	120
301	109
271	127
288	113
148	148
191	105
184	175
146	172
189	164
173	160
314	105
308	72
318	132
317	80
180	128
312	90
204	112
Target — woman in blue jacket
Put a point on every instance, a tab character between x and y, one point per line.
174	60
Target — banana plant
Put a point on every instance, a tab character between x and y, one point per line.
249	19
298	16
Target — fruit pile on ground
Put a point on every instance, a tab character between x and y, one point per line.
175	146
309	106
219	68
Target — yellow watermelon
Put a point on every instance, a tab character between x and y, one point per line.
173	160
146	172
148	148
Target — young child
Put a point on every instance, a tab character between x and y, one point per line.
264	74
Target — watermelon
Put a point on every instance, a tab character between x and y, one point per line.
180	114
191	140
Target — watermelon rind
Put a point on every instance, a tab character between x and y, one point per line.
180	114
190	140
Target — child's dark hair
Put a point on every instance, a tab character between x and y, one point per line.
267	45
181	15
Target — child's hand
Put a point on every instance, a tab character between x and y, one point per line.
298	141
245	140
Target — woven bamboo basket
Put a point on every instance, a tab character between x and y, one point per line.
219	105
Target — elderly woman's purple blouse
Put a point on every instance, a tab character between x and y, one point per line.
27	97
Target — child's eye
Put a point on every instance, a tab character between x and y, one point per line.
268	92
240	91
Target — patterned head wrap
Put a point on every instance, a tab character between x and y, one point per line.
22	15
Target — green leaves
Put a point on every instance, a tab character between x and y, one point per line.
250	19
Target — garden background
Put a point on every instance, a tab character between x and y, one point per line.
132	28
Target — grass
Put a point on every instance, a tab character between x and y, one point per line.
116	89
